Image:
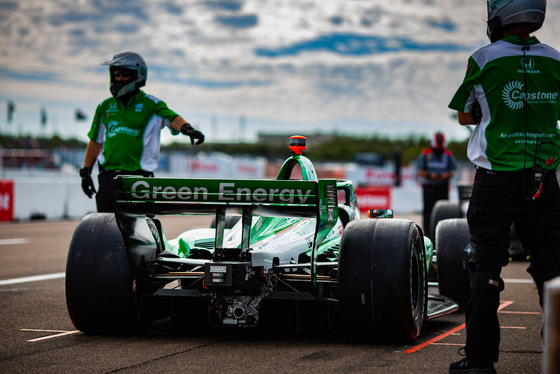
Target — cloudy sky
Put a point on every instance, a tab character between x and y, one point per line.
235	68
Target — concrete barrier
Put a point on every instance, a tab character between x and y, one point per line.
50	199
551	356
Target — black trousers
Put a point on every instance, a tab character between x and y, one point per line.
497	200
104	197
432	194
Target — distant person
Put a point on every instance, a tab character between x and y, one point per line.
511	93
436	166
125	134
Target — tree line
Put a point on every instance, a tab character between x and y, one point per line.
336	148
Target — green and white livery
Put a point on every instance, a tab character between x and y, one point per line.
505	78
130	134
280	252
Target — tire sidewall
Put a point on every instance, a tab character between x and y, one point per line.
382	297
101	290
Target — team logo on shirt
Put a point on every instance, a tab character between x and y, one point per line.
515	95
113	129
528	66
112	108
528	63
512	94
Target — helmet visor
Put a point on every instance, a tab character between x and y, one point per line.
123	74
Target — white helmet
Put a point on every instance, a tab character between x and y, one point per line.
127	60
508	12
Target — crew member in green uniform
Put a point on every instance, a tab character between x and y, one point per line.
125	134
510	92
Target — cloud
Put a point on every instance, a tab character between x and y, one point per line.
173	8
354	44
238	21
9	5
443	24
230	5
37	76
356	66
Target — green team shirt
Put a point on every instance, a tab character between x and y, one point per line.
518	91
130	134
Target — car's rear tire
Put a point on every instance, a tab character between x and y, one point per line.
454	249
443	209
101	293
382	280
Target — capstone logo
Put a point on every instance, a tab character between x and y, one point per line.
511	91
515	96
113	129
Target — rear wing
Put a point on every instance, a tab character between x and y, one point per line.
138	196
264	197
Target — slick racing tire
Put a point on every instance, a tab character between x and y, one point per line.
101	293
443	209
454	249
382	280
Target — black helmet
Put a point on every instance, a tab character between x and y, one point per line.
131	61
509	12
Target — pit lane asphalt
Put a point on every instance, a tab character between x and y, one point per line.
37	336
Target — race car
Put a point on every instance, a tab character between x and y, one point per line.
289	251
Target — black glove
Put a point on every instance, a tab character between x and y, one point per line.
194	134
476	112
87	182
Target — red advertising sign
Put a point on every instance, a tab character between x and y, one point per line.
377	197
6	199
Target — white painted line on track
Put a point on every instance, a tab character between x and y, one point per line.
14	241
60	333
42	330
524	281
35	278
